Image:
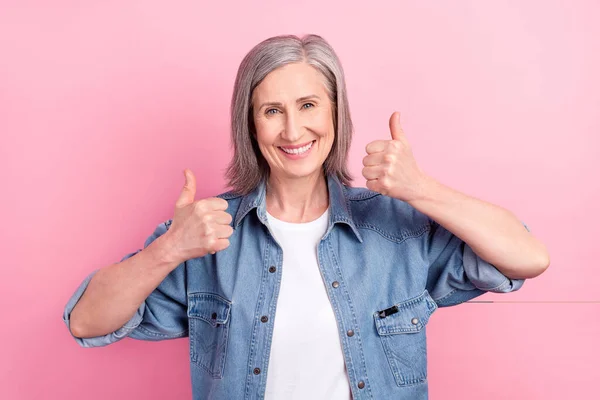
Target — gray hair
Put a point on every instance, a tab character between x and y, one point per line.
248	167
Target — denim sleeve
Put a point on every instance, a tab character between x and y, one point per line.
456	274
163	315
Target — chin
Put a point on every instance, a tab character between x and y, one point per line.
298	173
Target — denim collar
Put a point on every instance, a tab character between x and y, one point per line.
339	211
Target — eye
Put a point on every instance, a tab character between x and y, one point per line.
310	105
269	111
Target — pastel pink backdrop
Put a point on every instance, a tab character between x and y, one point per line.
103	104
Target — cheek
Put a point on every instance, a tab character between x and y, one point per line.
323	124
266	132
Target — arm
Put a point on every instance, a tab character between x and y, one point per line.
116	292
493	232
147	289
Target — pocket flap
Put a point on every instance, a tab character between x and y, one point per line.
406	317
209	307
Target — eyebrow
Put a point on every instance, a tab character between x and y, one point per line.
300	100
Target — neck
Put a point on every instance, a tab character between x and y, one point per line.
298	199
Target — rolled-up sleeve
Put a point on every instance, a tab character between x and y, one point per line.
456	274
163	315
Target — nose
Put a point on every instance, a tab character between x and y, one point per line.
292	130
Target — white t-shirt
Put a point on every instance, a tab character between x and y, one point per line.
306	360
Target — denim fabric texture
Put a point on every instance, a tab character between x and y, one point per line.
386	267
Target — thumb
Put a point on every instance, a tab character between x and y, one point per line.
395	127
188	193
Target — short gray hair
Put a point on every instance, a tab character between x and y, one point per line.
248	167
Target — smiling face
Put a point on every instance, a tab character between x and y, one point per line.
293	120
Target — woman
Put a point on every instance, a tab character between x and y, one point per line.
326	287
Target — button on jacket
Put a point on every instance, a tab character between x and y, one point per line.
386	267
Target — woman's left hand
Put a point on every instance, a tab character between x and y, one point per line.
390	167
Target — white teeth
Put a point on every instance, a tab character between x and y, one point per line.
299	150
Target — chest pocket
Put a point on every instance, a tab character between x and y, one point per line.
402	331
209	316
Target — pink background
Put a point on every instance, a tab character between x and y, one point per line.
102	105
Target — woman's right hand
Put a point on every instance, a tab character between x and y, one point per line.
198	227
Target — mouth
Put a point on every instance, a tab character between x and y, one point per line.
297	150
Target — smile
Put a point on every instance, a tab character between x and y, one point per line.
297	150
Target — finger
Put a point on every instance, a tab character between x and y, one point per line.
216	204
189	190
218	245
376	146
188	193
373	159
223	231
373	185
395	127
222	217
371	172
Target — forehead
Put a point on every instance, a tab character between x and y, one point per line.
290	81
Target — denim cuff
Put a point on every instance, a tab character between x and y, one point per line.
485	276
107	339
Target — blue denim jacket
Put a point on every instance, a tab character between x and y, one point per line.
386	266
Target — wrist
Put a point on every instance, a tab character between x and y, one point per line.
425	189
165	252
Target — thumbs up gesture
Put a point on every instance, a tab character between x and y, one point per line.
198	227
390	167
